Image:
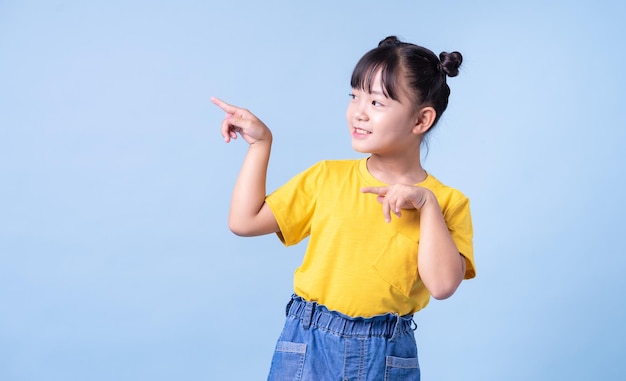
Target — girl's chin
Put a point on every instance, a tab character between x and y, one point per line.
359	149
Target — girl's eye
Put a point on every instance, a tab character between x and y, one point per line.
376	103
352	96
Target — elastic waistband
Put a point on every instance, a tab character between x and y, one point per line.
316	315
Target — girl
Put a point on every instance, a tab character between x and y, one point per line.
385	235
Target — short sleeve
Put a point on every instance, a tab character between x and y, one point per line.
293	204
459	221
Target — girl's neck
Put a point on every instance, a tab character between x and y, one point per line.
396	170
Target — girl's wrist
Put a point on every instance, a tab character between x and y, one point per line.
430	201
264	140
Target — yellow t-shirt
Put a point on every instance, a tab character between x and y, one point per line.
355	262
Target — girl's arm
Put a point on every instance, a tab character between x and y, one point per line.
439	263
249	214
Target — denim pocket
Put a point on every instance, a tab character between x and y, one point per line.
288	361
402	369
397	263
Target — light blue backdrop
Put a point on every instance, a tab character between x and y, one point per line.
115	259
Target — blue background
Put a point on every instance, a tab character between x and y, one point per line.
115	259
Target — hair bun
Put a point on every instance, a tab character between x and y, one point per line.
390	41
450	63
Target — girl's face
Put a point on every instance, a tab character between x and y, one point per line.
381	125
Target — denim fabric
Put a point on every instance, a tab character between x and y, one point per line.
321	345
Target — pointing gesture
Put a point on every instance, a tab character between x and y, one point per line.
241	121
399	196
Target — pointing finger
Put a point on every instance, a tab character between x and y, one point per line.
223	105
232	110
381	191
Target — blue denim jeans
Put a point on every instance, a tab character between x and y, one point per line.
317	344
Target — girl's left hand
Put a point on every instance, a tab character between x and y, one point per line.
399	196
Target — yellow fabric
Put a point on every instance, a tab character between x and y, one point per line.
355	262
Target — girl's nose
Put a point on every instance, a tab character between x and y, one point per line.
360	114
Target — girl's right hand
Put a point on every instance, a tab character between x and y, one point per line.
243	122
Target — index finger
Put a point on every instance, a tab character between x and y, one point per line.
375	190
223	105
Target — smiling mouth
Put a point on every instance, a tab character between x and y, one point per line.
361	131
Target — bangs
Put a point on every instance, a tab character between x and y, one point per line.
384	60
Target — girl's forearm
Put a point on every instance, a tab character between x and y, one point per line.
249	193
440	265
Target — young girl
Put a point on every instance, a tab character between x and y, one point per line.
385	235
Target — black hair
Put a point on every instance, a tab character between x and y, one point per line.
424	72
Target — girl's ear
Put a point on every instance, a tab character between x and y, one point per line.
424	120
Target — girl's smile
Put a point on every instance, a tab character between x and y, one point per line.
359	133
